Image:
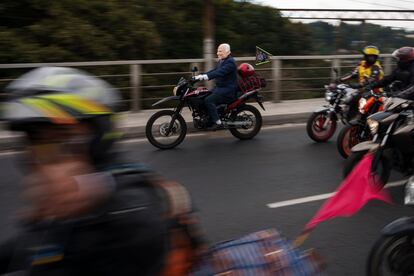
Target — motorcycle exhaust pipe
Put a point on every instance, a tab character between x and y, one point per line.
235	124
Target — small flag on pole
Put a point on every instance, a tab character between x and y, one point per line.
262	56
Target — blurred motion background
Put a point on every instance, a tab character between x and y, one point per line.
40	31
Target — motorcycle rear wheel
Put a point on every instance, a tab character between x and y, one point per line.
249	114
156	132
391	255
315	129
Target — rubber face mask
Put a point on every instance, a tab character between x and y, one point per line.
403	64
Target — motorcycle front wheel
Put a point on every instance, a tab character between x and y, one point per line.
252	119
158	133
347	138
320	126
392	255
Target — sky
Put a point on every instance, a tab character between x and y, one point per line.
348	4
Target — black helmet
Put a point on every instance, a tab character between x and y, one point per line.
60	96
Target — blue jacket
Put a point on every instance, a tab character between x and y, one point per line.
225	75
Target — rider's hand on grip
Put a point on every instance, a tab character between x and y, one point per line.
201	77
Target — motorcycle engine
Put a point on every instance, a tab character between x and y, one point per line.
201	122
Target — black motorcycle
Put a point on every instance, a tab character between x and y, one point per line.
342	104
393	252
166	129
393	140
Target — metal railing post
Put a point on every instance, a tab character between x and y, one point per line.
136	93
387	65
277	77
336	64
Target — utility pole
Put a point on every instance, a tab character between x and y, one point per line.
208	41
338	37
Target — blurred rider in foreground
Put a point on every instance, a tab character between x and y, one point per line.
225	90
85	213
402	77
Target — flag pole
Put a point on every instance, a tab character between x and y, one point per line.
301	238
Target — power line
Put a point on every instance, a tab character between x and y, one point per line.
377	4
406	1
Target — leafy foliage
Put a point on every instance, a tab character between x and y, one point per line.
327	38
79	30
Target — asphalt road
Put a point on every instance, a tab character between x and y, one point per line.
232	182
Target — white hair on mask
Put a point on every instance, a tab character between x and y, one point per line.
226	47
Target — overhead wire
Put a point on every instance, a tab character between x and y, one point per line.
378	4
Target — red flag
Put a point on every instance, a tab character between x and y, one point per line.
358	188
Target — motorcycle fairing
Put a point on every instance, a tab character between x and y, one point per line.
364	146
356	122
322	109
399	226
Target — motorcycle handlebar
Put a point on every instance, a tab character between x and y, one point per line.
193	81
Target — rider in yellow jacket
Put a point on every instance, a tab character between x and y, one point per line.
369	69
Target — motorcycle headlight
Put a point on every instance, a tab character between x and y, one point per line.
362	103
409	192
328	96
373	126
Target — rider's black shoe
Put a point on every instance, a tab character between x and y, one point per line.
215	127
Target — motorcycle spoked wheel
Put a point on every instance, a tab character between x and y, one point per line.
383	169
315	127
392	255
253	118
348	137
157	126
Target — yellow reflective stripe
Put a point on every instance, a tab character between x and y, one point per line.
50	111
78	103
46	260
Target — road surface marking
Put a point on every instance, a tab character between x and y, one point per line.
307	199
212	134
204	133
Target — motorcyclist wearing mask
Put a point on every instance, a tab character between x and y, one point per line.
369	69
403	75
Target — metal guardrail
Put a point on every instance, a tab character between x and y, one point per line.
288	76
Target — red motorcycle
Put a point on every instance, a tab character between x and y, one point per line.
357	131
166	129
